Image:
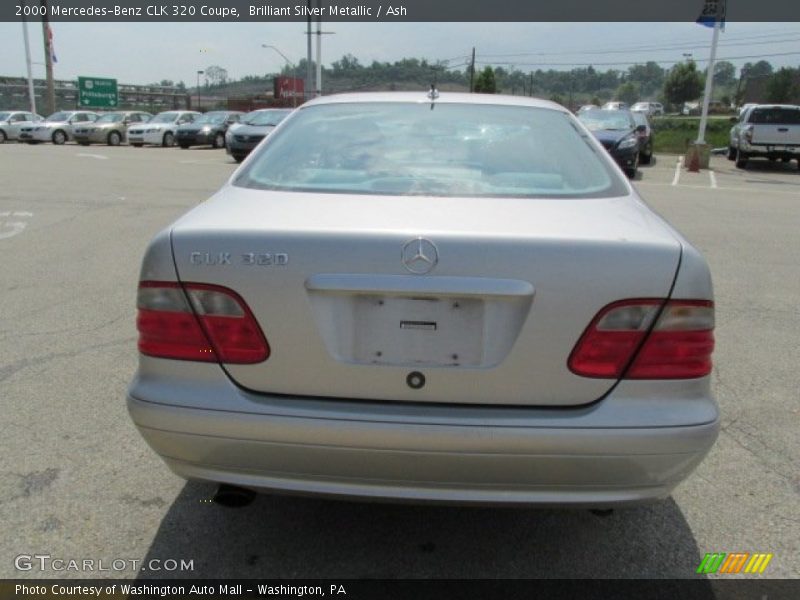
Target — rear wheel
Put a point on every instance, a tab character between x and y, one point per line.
59	137
3	137
114	138
731	153
741	160
169	140
219	141
646	156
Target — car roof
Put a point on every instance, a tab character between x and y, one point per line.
443	98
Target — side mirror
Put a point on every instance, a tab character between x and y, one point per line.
641	129
734	119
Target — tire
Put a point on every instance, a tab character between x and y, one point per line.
219	141
168	140
645	159
59	137
3	137
114	138
741	160
239	157
136	145
731	153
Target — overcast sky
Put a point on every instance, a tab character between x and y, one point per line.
141	53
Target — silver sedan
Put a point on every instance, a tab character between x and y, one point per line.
454	298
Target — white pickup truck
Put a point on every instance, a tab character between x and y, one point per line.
766	130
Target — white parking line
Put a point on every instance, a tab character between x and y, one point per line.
713	179
678	167
11	228
97	156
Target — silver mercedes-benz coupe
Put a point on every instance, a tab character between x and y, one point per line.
428	297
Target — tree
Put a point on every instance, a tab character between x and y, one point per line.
216	75
649	77
724	73
628	92
753	71
485	82
683	83
781	87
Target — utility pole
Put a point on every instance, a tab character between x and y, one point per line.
472	72
319	51
31	91
48	59
309	68
701	134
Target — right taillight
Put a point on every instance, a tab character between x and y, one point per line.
217	326
647	339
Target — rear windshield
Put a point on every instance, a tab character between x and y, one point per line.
440	150
782	116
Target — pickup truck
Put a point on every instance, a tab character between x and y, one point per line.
766	130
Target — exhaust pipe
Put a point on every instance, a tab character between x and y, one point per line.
231	496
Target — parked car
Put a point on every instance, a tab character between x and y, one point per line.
427	297
645	136
691	108
208	129
160	130
252	128
619	134
11	123
651	109
615	106
110	128
586	107
769	131
57	128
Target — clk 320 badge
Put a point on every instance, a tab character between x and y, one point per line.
259	259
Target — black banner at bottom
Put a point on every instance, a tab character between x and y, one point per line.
375	589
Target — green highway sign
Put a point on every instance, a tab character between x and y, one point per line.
95	92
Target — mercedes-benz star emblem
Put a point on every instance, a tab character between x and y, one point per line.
420	256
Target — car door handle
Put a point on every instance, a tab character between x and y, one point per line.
783	129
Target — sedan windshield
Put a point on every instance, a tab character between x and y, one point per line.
165	117
214	118
265	118
58	117
440	150
111	118
609	120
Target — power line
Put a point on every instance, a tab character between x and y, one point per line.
684	46
626	63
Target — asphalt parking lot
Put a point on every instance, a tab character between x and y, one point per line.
80	483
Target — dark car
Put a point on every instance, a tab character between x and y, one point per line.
207	130
645	137
253	128
619	134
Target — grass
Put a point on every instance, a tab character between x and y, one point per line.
673	134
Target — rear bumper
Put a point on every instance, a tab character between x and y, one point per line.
417	453
770	150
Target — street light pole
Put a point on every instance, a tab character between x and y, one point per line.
292	70
198	89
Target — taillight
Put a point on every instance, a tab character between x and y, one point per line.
217	326
626	340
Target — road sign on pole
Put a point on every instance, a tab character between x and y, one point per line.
96	92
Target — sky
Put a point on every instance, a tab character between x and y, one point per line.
141	53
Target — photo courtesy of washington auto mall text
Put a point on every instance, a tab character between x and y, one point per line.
424	299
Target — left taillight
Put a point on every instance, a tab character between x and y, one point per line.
197	321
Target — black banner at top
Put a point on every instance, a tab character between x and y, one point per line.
394	11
